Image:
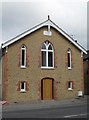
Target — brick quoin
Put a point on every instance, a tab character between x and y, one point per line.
6	76
66	59
27	86
55	59
39	58
27	57
72	59
73	84
18	86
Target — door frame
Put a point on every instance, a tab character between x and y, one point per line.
42	87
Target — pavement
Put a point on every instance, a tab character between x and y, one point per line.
44	104
3	102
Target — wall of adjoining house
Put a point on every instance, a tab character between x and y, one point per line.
86	73
0	74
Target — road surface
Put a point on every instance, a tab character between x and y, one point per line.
79	111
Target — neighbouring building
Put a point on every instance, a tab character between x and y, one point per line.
0	73
43	63
86	72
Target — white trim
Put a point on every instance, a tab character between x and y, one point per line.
23	66
70	89
48	28
69	68
46	23
47	67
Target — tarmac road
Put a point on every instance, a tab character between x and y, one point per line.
65	112
52	109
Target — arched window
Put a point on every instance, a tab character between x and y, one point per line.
47	54
23	56
69	58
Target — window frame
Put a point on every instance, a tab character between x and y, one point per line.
47	51
23	90
71	85
23	47
69	62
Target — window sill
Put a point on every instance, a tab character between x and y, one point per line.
23	67
50	68
70	89
69	68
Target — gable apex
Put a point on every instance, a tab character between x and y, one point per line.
45	23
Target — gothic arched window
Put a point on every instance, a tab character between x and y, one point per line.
47	53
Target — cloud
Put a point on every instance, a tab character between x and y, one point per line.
0	23
71	16
88	25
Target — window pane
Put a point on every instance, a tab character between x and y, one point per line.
50	47
22	85
43	47
23	46
43	58
69	60
23	57
69	85
50	59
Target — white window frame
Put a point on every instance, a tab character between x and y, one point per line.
69	52
23	90
23	48
46	50
71	85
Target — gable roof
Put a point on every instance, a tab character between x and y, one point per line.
45	23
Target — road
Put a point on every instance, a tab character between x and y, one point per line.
79	111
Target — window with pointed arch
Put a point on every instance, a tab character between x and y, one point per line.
23	56
69	58
47	54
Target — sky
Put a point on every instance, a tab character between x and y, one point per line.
17	16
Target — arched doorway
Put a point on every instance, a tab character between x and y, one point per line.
47	89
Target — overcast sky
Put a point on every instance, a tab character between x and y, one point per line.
17	17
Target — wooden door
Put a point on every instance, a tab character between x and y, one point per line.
47	89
